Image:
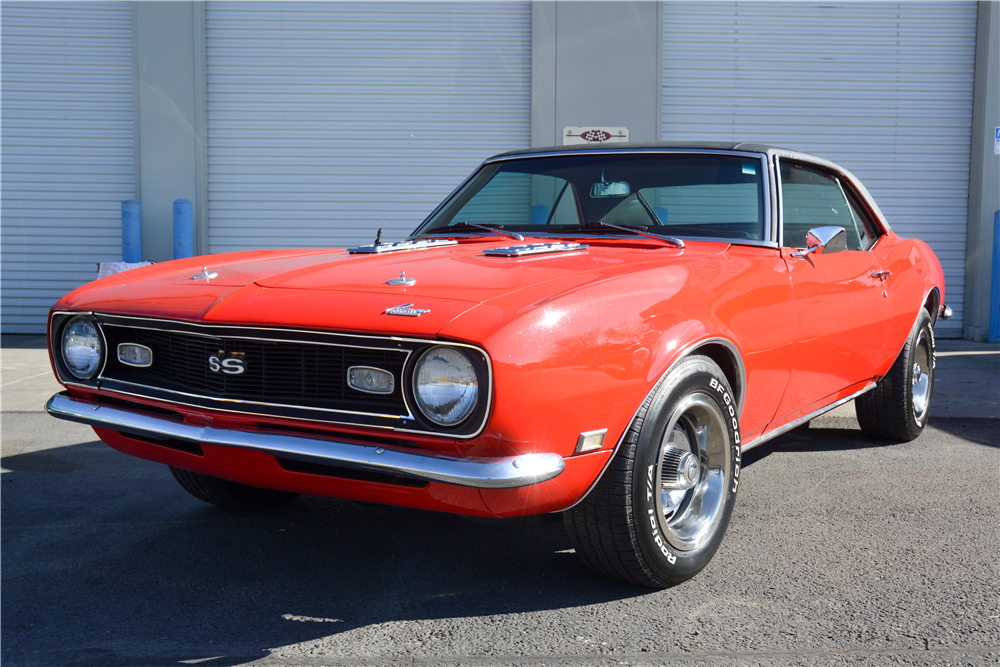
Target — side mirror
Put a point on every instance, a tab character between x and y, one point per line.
826	239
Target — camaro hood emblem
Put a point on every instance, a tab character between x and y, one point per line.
407	310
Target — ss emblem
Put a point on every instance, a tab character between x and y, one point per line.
234	365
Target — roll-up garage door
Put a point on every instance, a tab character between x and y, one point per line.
68	149
884	90
311	106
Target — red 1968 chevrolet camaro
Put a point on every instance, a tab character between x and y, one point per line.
597	331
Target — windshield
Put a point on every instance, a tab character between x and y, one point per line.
685	195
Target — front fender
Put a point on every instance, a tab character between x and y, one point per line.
916	272
584	358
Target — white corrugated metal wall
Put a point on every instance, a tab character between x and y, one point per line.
310	107
884	90
68	149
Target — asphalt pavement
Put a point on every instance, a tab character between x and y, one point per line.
842	551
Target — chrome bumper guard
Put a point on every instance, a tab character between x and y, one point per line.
495	473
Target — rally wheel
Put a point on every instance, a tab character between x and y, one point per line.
659	512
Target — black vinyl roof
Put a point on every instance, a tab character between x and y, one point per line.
638	146
656	145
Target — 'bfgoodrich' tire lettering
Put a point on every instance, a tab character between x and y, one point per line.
637	528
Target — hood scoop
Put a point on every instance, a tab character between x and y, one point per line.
533	249
401	246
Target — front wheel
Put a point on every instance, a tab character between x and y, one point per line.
661	509
898	407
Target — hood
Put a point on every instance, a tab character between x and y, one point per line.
337	290
460	272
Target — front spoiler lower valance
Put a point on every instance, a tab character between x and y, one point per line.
484	473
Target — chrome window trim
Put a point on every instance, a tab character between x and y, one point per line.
609	150
762	158
780	200
840	174
746	242
178	326
696	239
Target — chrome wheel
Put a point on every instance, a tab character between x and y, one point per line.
695	461
660	510
920	377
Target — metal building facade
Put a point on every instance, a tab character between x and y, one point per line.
311	106
883	89
298	114
68	157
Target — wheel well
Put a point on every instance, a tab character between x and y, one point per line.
932	303
728	362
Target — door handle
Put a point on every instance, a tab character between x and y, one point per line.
881	275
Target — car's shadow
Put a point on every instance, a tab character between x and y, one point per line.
984	432
106	561
142	569
843	434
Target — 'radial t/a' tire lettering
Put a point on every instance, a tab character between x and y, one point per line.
661	509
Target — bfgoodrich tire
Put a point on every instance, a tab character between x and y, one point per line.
898	407
230	495
661	509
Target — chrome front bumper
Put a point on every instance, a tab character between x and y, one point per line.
495	473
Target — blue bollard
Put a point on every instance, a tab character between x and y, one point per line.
183	229
995	283
131	231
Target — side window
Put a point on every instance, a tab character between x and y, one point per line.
867	230
812	197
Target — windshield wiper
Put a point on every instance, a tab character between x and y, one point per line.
468	225
641	231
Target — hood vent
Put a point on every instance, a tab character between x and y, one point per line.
534	249
400	246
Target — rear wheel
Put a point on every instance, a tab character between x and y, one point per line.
898	407
230	495
660	511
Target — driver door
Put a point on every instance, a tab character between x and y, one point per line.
840	302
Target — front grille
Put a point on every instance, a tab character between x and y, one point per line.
279	372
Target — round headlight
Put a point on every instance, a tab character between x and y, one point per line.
81	348
445	385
